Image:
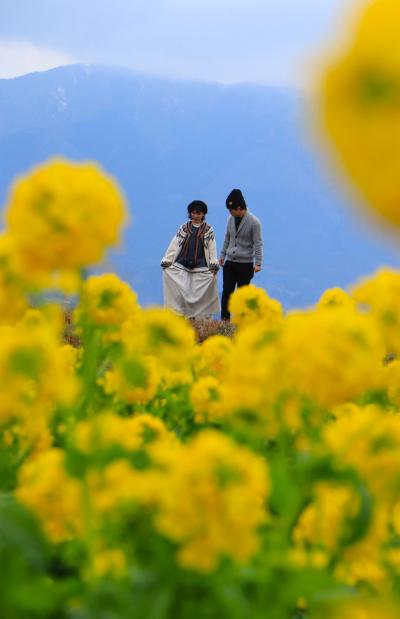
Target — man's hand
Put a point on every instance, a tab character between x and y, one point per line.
165	264
221	262
257	268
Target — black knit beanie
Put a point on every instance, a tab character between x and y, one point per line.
235	199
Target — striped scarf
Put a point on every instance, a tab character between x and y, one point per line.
199	232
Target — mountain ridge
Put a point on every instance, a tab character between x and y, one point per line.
171	141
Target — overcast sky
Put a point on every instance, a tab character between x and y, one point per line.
268	41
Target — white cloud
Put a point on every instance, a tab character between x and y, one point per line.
18	57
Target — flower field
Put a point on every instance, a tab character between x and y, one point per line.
146	475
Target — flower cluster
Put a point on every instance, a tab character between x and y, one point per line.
62	217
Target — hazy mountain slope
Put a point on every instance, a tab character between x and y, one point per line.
169	142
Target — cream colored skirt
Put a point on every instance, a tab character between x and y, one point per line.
192	293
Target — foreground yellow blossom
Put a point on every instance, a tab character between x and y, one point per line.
107	302
323	521
212	356
35	371
13	302
248	304
162	335
130	433
333	298
215	496
330	357
63	216
360	105
205	395
368	439
318	358
133	379
52	495
380	295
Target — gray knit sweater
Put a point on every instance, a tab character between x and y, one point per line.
245	244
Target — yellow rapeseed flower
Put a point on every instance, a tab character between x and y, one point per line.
165	337
249	385
367	439
13	302
380	295
330	357
130	433
323	526
333	298
360	105
249	304
322	522
34	371
205	395
214	496
132	379
107	302
322	357
119	486
212	356
63	216
45	488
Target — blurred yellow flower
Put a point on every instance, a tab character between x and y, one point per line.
130	433
380	295
109	562
249	304
34	371
46	489
165	337
322	522
330	357
367	439
107	302
206	399
333	298
132	379
212	356
13	302
359	100
63	216
214	496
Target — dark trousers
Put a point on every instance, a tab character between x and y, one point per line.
235	274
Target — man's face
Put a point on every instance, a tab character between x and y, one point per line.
238	211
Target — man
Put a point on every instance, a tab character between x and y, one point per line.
241	254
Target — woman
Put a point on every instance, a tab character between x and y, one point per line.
190	266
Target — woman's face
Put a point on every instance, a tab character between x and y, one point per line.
196	216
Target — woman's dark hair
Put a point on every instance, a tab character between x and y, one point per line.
197	205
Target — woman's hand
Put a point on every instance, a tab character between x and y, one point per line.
214	268
165	264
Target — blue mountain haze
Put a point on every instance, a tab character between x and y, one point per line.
169	142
